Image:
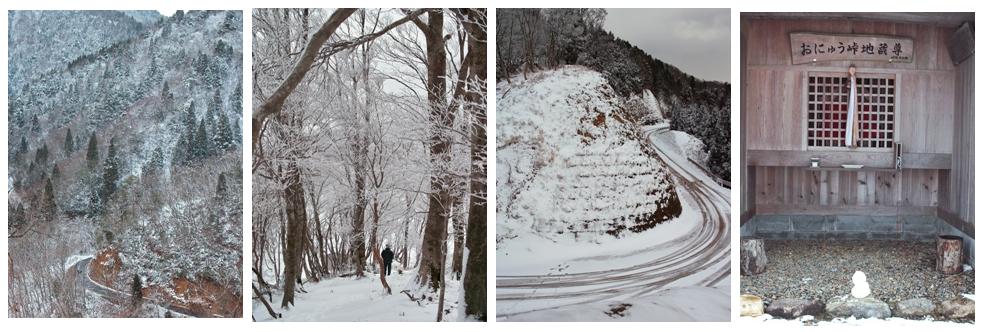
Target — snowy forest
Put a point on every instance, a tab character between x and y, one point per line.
125	154
610	167
530	40
369	165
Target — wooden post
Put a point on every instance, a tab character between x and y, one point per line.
753	258
949	254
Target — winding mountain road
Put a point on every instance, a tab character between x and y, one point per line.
699	257
120	298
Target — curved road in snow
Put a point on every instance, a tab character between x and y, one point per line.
699	257
82	268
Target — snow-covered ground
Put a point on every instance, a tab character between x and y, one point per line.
685	304
676	271
362	300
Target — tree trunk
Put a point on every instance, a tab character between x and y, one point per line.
383	273
458	237
404	254
474	283
753	258
374	243
359	210
306	257
317	221
949	254
441	294
294	198
270	310
436	224
259	248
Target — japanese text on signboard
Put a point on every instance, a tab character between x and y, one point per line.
809	47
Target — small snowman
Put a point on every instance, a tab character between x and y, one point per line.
860	288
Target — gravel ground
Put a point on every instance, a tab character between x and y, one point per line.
822	269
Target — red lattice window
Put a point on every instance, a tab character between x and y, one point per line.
828	104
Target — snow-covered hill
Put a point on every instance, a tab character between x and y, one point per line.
568	161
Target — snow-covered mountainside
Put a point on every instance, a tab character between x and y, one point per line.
568	161
72	34
126	147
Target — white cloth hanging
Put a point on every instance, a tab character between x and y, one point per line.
852	110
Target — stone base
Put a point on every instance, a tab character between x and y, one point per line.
959	308
848	306
794	308
915	308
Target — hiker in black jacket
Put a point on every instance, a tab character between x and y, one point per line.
388	257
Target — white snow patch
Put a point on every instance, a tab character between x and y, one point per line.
72	260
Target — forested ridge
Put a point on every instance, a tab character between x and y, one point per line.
530	40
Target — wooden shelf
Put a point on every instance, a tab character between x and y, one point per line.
871	160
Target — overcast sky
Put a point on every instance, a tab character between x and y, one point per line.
694	40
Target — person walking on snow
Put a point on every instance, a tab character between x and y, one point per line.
388	257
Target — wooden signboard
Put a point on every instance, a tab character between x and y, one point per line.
809	47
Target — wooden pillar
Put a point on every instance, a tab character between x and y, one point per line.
949	254
753	258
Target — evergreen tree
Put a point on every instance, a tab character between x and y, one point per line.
41	155
69	144
224	135
111	173
24	146
188	144
92	154
166	94
136	291
46	208
35	124
210	121
200	144
236	100
179	155
221	186
217	103
55	173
